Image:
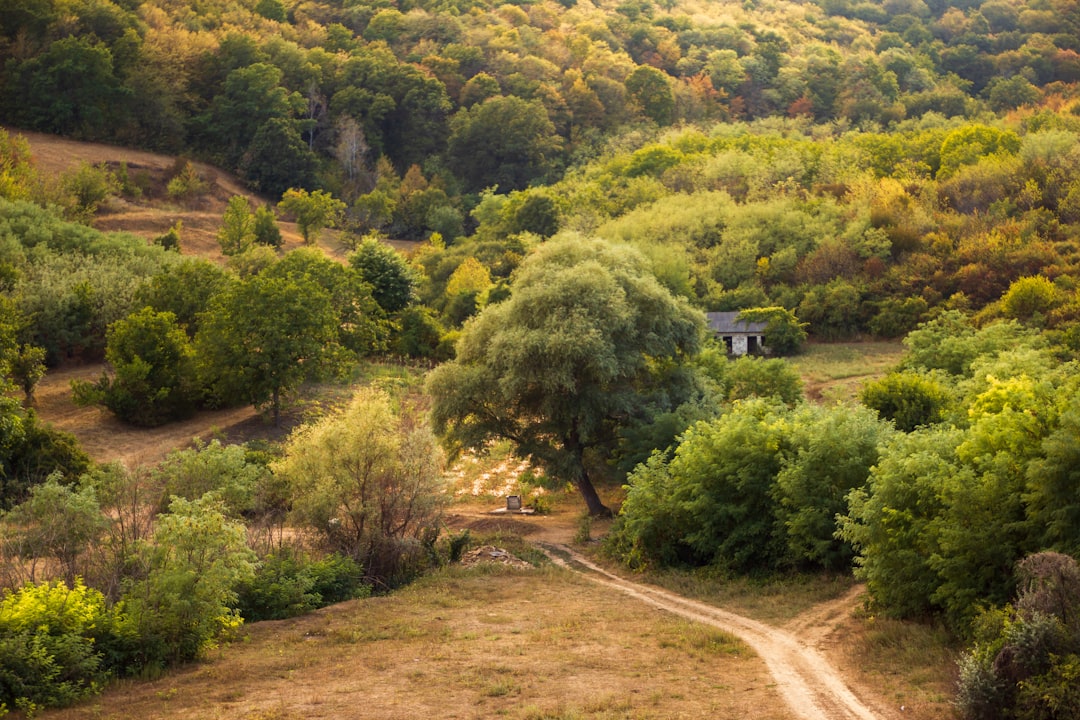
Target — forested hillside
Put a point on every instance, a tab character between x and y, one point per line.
583	180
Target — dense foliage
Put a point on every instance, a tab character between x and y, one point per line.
586	341
586	177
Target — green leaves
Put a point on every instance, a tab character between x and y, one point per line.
368	480
154	375
567	358
263	336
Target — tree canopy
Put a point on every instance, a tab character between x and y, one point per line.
567	359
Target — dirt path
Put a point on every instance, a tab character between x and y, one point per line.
812	688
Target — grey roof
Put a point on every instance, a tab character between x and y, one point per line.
728	323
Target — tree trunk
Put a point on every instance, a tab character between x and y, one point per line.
582	482
592	501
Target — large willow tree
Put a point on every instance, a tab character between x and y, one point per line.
587	339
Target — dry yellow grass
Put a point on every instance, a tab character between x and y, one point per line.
480	643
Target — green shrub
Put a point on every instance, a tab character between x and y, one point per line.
337	578
289	584
281	588
194	563
909	399
47	642
1053	695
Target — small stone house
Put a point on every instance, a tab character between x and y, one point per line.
740	337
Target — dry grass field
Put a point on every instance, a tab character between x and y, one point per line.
486	642
154	213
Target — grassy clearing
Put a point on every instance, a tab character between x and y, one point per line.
910	665
834	372
774	600
486	642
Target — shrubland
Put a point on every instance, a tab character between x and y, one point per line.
585	179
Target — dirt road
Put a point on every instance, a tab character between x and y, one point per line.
808	683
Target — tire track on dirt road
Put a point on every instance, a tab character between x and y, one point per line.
812	688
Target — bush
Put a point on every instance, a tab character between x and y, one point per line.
154	380
47	642
1025	663
289	584
909	399
193	566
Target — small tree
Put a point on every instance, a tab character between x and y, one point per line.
57	522
237	231
264	336
187	184
27	368
265	228
193	565
154	378
367	481
313	211
392	280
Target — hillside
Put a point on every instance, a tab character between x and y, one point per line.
891	188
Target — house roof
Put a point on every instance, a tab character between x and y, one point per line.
728	323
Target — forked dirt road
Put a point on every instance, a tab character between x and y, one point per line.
808	683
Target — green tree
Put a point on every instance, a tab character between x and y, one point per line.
224	470
1052	480
237	231
712	502
154	377
264	336
191	569
1030	297
967	144
184	289
368	481
566	360
894	522
393	282
950	342
278	158
832	311
910	399
56	523
784	334
71	88
504	141
313	211
251	96
651	90
361	323
266	229
832	452
748	377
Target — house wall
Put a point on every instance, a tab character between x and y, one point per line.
740	344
